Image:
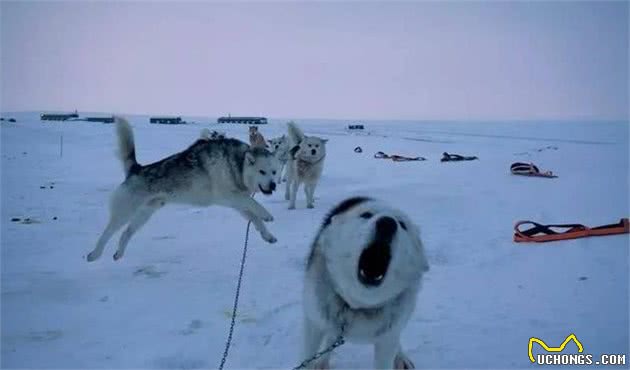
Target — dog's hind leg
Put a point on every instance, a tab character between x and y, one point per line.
287	189
122	208
283	173
138	220
294	188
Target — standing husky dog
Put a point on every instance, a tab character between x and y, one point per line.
363	274
210	172
280	149
305	165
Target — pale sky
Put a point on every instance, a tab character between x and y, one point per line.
371	60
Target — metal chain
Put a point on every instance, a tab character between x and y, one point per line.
236	295
338	342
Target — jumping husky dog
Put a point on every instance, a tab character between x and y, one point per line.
210	172
280	149
362	278
305	164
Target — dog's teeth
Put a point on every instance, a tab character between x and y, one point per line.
379	278
362	272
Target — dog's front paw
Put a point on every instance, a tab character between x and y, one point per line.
118	255
402	362
291	206
269	238
93	256
267	218
320	364
310	205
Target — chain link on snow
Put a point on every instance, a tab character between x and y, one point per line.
338	342
236	295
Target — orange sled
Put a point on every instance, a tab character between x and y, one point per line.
545	233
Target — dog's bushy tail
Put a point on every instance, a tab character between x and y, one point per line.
295	134
126	146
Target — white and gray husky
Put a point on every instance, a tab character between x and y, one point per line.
279	147
220	172
305	164
363	275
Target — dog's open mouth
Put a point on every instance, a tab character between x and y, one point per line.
266	192
373	264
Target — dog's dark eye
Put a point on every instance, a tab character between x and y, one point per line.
263	172
316	145
274	172
403	225
310	146
366	215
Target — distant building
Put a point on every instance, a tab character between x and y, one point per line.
100	119
58	116
356	127
167	120
243	120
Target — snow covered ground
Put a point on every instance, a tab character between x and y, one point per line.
166	303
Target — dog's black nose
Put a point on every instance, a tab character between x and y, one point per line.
385	228
272	186
313	151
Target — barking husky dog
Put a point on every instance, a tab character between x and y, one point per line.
363	274
305	165
210	172
256	140
280	149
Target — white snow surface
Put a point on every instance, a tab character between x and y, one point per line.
166	304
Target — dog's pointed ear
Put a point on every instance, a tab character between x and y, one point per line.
249	157
424	262
416	240
283	136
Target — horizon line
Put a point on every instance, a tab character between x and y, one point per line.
425	119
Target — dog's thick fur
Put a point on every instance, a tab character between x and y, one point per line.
305	164
364	272
256	139
210	172
206	134
279	147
